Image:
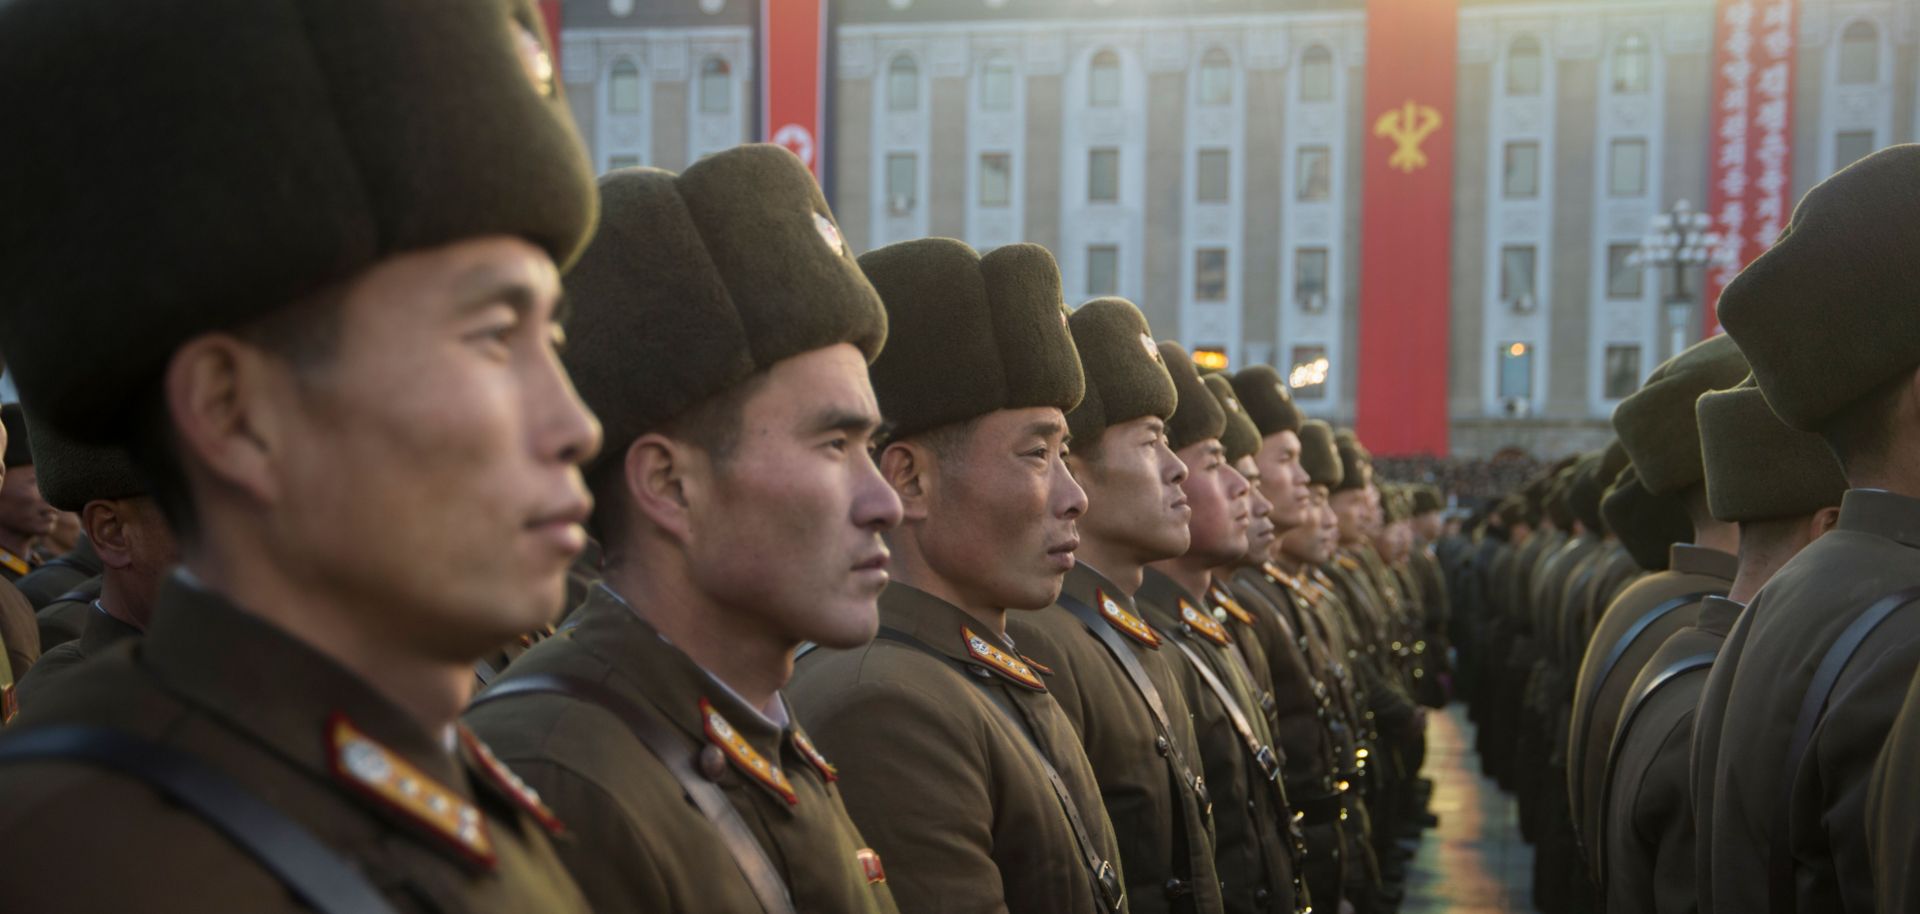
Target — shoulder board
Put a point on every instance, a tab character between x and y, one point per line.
509	783
393	783
14	563
813	756
762	771
1232	606
1348	562
1001	661
1199	620
1129	624
1039	667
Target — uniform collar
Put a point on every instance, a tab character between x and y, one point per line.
1882	513
1686	558
956	635
1174	608
1717	614
102	631
1092	588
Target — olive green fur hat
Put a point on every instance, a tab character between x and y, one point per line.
1593	474
1646	524
1126	375
1319	456
1426	499
1656	422
1757	467
1197	416
1267	400
697	281
968	334
1356	463
195	165
1827	315
71	474
19	437
1512	511
1556	503
1240	438
1395	505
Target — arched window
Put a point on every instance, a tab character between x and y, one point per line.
903	84
996	84
623	87
716	86
1860	54
1216	78
1524	66
1632	65
1103	80
1316	75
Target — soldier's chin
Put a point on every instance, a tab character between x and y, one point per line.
852	626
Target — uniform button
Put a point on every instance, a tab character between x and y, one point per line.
712	763
1260	896
1160	743
1177	888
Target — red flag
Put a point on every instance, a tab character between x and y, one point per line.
1406	223
550	14
1751	164
793	42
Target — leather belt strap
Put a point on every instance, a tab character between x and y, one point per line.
1137	674
1105	878
670	747
316	874
1597	849
1780	881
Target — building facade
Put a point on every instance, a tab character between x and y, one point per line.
1203	158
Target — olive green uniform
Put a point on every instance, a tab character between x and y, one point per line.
945	772
292	727
101	634
61	575
640	845
65	618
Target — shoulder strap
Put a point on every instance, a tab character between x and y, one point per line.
1597	848
670	747
1106	880
1137	674
1780	869
313	872
1576	761
1261	754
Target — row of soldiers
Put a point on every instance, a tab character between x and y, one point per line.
1692	655
889	583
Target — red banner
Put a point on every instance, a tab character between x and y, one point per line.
793	49
1751	164
550	13
1406	221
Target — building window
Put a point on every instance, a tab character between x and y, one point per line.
1316	75
1851	146
1626	279
1517	262
1213	175
1210	274
1632	65
1524	66
996	85
903	181
996	178
1521	177
615	163
1103	175
1216	78
1315	177
623	87
1307	374
1103	80
1860	54
1516	372
1623	370
903	84
1627	168
716	86
1310	279
1103	269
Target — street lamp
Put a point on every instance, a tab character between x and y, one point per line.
1677	240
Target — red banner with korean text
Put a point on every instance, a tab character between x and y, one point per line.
793	62
1750	167
1406	221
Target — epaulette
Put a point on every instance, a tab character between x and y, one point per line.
1232	606
1129	624
1203	623
1001	661
735	747
396	785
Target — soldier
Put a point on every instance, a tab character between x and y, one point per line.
1783	488
955	759
341	279
1807	686
722	330
19	634
63	573
101	484
1113	675
1255	852
1662	437
25	516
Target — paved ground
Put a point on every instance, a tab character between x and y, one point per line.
1475	862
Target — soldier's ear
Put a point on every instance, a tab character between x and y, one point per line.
232	409
658	482
906	466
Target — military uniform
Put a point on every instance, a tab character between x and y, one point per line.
61	574
102	633
20	637
65	619
1892	841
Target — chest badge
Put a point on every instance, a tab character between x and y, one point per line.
1204	623
1001	661
1129	624
744	756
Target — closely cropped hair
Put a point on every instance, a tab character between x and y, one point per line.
713	425
1861	433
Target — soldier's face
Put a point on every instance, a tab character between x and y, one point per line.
1310	542
1429	525
1329	522
1261	533
1134	498
785	532
428	474
1282	479
23	512
1352	514
1000	511
1221	511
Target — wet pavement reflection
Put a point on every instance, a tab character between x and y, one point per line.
1475	862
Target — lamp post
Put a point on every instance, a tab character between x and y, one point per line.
1677	241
